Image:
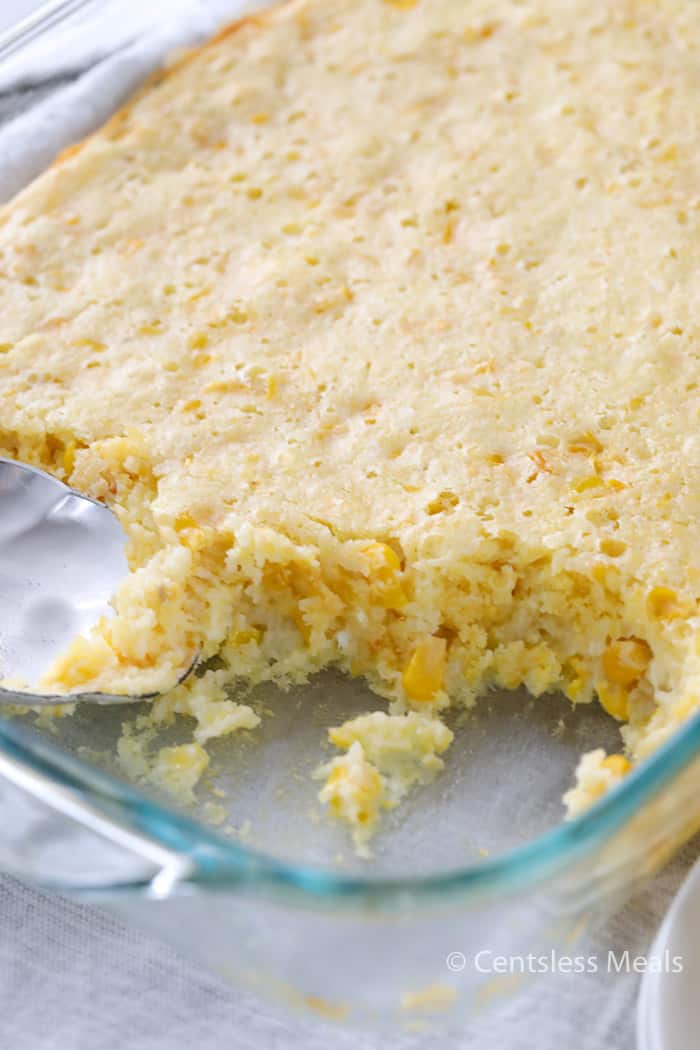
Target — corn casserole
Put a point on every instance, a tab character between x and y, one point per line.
376	323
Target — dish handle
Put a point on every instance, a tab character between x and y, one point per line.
59	833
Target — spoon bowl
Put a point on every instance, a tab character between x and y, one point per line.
62	557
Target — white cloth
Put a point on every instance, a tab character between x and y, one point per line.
82	38
73	977
29	143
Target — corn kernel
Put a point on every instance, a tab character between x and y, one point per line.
587	444
576	668
91	344
69	458
424	675
613	548
591	482
384	565
363	783
179	768
538	458
625	660
616	764
82	661
474	33
383	559
250	634
663	604
196	539
445	501
393	596
225	386
196	296
599	573
337	774
198	341
614	699
185	521
669	154
574	688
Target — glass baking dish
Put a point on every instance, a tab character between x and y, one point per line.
463	871
256	884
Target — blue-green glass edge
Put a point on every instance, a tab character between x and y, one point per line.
220	863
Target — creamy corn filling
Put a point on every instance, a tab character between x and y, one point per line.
376	323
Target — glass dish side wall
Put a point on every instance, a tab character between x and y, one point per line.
418	957
378	952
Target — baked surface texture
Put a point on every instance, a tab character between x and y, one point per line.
376	322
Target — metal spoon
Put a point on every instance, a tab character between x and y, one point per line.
62	557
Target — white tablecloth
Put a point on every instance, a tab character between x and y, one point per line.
73	977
